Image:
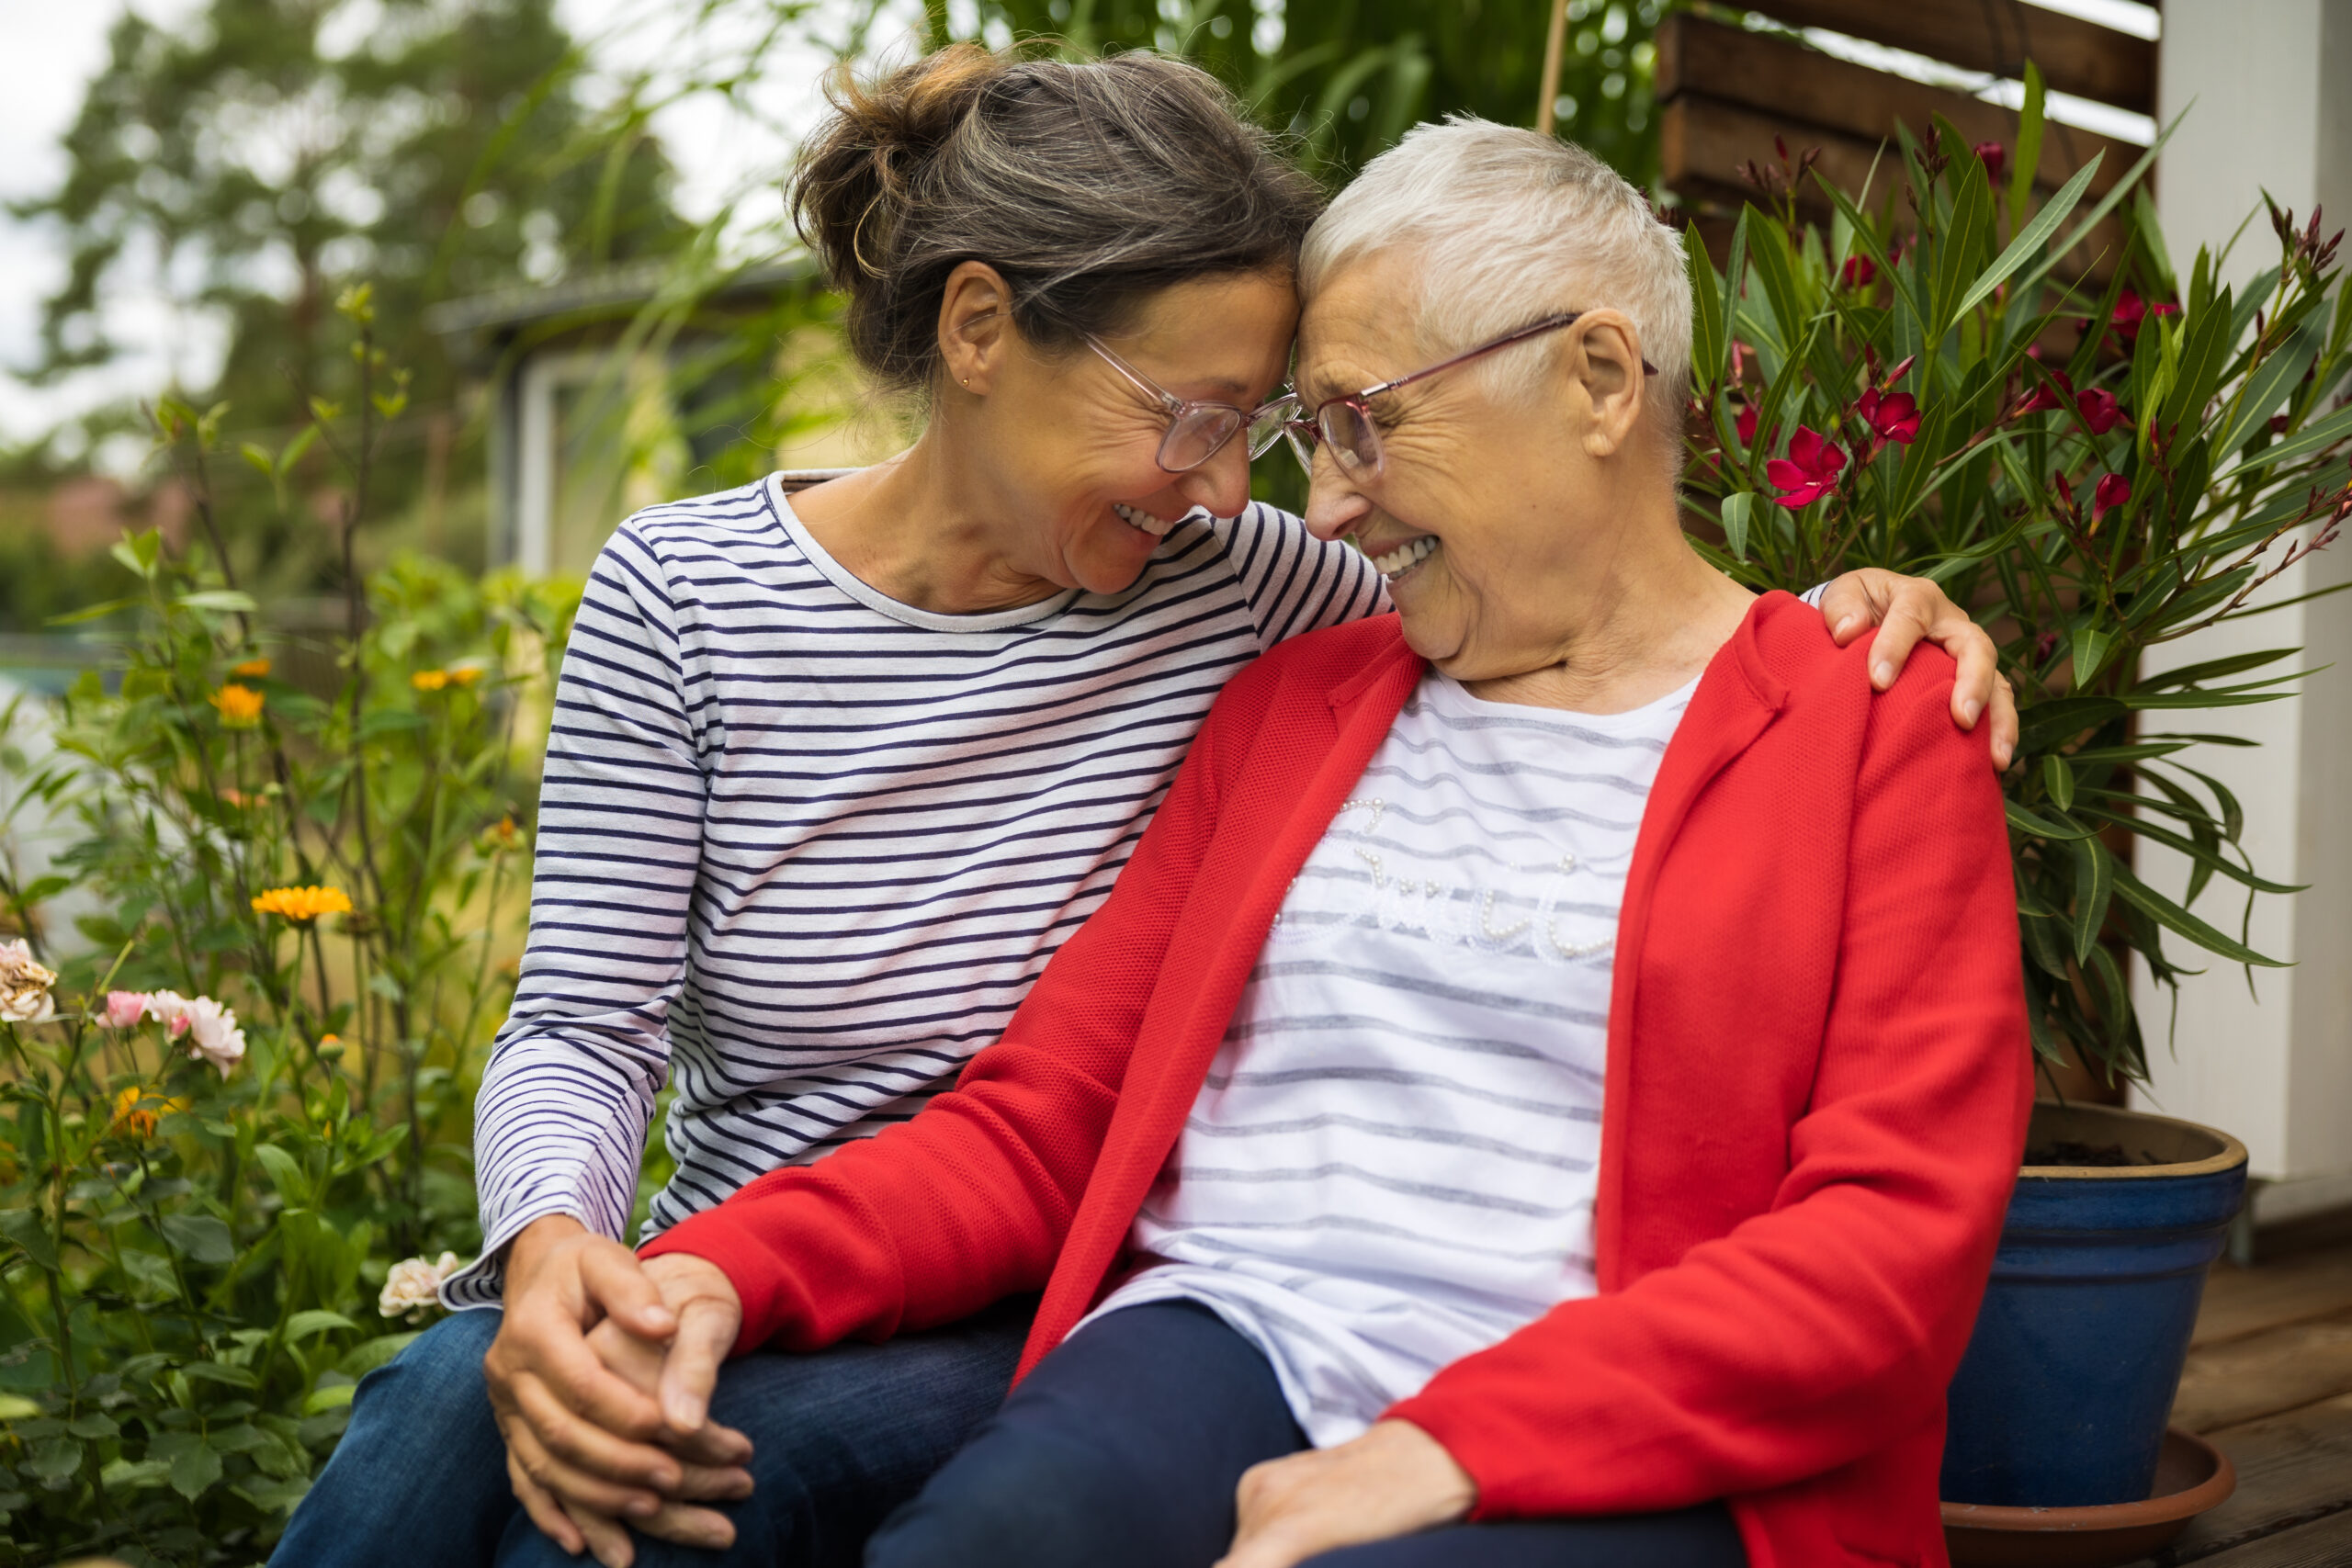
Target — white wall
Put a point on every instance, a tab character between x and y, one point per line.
2271	83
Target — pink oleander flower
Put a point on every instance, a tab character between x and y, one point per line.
1892	416
1859	272
24	985
2113	491
1809	471
126	1009
2046	396
413	1287
2130	311
2100	410
1994	157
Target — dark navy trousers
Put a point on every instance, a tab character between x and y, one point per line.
1122	1449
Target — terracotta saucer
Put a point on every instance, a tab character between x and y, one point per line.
2192	1475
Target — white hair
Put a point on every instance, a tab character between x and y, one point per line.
1510	225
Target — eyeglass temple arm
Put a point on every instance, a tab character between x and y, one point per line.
1160	395
1548	324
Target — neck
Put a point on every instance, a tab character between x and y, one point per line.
1639	614
931	527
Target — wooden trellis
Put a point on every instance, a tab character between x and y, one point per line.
1726	92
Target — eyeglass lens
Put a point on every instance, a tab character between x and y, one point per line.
1195	435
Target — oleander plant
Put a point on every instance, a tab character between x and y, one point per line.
245	1006
2024	402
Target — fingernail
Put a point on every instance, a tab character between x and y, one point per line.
645	1507
1969	710
1845	627
1883	673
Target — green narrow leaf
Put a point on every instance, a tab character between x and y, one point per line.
2058	778
2316	437
2040	827
2094	886
198	1238
1736	510
2175	918
2028	148
2106	203
223	598
1708	335
2032	238
2091	643
2270	384
302	1324
1963	232
2204	355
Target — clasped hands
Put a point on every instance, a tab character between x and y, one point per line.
602	1376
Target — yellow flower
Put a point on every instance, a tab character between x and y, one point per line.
240	705
136	1110
251	670
439	680
501	839
302	905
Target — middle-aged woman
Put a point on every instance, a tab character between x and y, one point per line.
832	776
1544	1088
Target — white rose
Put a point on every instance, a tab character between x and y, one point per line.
213	1034
24	985
415	1285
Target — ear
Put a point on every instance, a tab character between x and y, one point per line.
976	330
1603	359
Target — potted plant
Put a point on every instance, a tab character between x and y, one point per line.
2096	463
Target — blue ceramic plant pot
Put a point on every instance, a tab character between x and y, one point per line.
2061	1399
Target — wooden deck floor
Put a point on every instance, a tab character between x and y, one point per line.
2269	1381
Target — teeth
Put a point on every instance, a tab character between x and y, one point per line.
1406	554
1134	516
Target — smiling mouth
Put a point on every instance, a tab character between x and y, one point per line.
1405	557
1137	518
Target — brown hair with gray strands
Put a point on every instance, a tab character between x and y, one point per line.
1088	186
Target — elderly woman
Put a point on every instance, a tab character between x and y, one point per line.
834	774
1545	1086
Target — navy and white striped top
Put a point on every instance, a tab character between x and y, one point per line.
804	849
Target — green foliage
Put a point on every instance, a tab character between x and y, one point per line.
186	1254
2094	481
1347	80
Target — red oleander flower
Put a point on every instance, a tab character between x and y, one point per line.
1744	423
1809	471
2046	396
2130	311
2100	410
2113	491
1995	158
1859	272
1892	416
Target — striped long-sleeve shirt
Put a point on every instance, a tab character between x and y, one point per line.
802	848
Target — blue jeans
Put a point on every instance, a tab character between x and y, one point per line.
840	1438
1125	1447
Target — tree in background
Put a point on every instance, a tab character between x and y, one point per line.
265	154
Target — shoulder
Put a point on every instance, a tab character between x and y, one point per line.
725	520
1908	730
1317	668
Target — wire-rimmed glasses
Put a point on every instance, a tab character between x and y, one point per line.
1197	428
1346	422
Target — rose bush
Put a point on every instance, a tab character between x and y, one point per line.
239	1080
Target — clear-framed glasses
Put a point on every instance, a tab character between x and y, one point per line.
1346	422
1198	430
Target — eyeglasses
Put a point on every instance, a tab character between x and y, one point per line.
1198	430
1346	422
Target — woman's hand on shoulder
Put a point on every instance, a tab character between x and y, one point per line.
1909	610
1393	1481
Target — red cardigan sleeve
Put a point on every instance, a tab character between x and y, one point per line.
1830	1323
968	1202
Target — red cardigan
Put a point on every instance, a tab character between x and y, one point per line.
1816	1103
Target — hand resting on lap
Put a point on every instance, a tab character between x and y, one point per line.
1393	1481
594	1434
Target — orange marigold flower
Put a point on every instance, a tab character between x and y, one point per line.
429	680
302	905
240	705
464	674
251	670
136	1111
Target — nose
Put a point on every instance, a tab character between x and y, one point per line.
1334	504
1221	484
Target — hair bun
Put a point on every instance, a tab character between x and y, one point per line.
856	177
